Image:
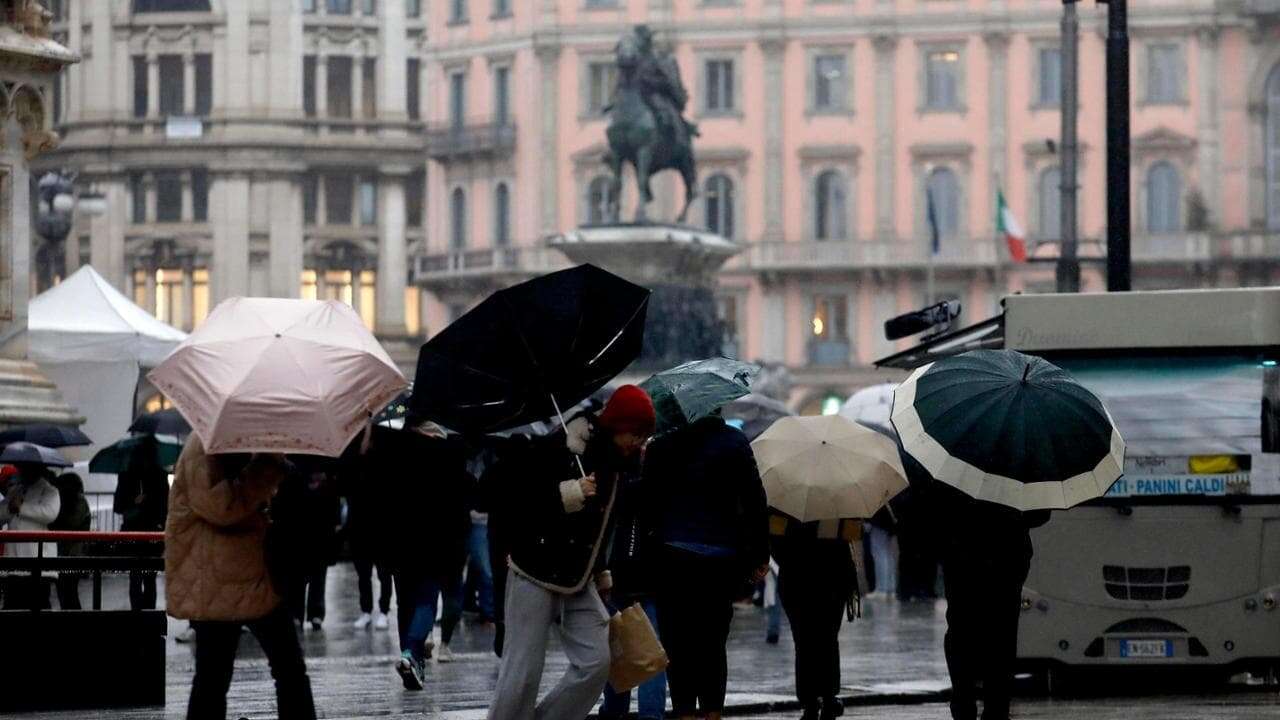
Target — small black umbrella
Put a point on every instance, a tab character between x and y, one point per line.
161	422
32	454
530	350
51	436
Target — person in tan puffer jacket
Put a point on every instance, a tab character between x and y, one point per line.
216	576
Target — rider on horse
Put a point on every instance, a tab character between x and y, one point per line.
660	85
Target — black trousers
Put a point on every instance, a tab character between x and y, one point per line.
815	602
307	598
984	595
216	644
68	584
695	602
142	590
364	581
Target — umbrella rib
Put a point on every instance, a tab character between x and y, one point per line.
613	341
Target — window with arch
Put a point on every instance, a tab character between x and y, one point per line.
599	195
1050	192
718	199
501	215
943	188
1164	198
1272	141
458	219
830	207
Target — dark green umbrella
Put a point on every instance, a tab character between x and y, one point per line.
689	392
1008	428
116	458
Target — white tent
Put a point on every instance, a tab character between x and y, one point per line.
94	343
871	406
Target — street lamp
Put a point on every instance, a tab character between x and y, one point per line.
56	206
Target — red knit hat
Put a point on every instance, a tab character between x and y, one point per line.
629	410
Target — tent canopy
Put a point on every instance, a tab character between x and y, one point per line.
85	319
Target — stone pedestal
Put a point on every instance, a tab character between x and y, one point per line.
679	264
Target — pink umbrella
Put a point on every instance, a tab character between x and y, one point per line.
274	375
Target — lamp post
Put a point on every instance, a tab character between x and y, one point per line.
1068	270
1118	195
56	200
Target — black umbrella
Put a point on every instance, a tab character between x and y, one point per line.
530	350
162	422
32	454
51	436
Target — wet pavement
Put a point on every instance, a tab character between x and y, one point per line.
892	661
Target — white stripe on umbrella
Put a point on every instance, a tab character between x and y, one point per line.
944	467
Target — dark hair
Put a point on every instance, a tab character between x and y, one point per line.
69	483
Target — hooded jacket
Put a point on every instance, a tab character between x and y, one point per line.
214	558
556	536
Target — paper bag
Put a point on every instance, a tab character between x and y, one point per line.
635	652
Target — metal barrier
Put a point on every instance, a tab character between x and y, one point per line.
125	661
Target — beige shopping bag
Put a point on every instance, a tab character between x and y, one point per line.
635	652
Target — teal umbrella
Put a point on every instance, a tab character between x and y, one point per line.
1009	428
117	458
689	392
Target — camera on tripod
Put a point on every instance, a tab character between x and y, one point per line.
935	319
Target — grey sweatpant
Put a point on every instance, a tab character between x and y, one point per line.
582	624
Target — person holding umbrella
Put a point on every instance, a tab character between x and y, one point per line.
142	500
31	503
995	439
558	522
823	476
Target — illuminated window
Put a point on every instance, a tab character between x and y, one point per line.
831	405
368	298
199	296
140	289
310	289
413	310
942	80
170	300
337	286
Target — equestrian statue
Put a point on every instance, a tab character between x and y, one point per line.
646	124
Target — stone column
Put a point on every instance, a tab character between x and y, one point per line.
106	232
285	60
1208	132
322	86
149	283
774	49
189	84
99	70
230	266
549	140
998	112
357	87
236	61
393	268
188	296
285	237
391	72
322	204
885	167
149	188
153	85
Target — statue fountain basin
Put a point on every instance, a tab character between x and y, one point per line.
649	253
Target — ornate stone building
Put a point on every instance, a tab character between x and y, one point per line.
30	65
341	147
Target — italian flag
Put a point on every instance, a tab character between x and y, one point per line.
1008	226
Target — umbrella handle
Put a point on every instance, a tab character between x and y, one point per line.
577	458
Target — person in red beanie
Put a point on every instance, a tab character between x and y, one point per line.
555	522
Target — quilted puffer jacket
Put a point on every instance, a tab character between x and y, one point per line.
214	562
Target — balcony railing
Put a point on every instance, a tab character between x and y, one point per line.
485	263
471	140
859	254
829	353
1173	247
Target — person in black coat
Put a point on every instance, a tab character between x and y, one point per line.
818	583
556	508
73	516
705	501
142	500
307	515
986	554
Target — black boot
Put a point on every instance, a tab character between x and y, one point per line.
810	712
831	708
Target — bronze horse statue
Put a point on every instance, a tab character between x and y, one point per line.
637	135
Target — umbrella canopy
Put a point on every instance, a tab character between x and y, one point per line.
827	467
756	412
281	376
162	422
117	458
1008	428
870	406
32	454
530	350
686	393
51	436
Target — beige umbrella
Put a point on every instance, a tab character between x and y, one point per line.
827	467
275	375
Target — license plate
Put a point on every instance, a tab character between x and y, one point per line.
1146	649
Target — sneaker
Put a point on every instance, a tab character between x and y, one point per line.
381	622
410	671
445	655
363	621
186	636
428	648
317	624
832	708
